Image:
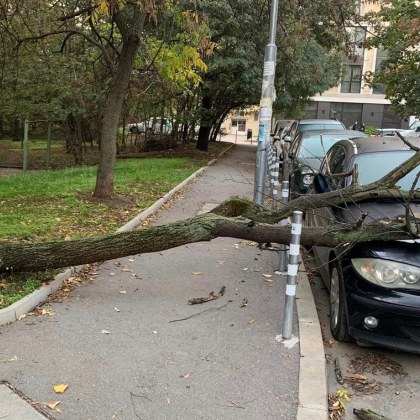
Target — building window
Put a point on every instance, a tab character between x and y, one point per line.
239	125
256	115
352	79
381	55
356	36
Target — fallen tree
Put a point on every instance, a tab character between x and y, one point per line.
236	218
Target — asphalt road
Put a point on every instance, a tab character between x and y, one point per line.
131	347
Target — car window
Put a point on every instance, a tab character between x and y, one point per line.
295	144
374	166
292	130
316	146
307	127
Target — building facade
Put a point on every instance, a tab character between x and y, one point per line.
240	121
354	102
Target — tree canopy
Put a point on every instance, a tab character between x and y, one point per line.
396	29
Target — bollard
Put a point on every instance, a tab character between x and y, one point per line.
292	271
276	182
283	248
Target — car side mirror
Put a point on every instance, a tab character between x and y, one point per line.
287	139
320	184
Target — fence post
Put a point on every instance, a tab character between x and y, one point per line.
283	222
25	145
292	271
48	161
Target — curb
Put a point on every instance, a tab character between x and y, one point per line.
313	395
13	312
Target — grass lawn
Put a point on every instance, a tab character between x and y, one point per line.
52	205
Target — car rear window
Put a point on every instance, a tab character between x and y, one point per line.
374	166
307	127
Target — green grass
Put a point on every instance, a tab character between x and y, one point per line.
51	204
16	286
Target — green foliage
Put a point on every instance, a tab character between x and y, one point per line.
397	26
370	130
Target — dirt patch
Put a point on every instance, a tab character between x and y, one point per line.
116	201
376	364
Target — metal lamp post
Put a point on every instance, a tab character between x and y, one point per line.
268	96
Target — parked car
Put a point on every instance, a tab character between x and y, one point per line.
161	125
384	132
137	128
305	125
306	154
374	286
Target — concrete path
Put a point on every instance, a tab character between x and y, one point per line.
130	346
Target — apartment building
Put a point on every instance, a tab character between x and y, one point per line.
353	101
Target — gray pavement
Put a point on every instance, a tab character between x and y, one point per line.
130	347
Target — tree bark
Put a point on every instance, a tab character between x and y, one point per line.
205	124
35	257
131	40
235	218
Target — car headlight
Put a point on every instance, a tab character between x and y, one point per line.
307	177
390	274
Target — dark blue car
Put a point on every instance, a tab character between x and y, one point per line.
374	286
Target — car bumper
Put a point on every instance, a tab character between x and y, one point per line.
398	316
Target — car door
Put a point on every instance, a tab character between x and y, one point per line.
333	164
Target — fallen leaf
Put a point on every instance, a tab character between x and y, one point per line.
251	321
126	270
111	274
47	312
246	269
123	292
131	259
53	404
105	332
268	276
22	317
59	389
186	376
58	410
116	310
168	400
358	377
154	332
197	273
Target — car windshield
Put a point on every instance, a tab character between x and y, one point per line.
307	127
374	166
317	146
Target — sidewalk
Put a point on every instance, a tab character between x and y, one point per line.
130	346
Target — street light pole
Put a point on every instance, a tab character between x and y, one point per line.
268	96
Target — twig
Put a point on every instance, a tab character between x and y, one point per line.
410	145
199	313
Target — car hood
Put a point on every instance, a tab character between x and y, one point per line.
376	210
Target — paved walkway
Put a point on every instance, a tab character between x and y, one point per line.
130	346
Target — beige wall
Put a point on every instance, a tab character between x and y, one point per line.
250	120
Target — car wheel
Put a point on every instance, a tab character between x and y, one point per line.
338	316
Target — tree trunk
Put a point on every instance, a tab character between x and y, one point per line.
205	124
36	257
105	176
